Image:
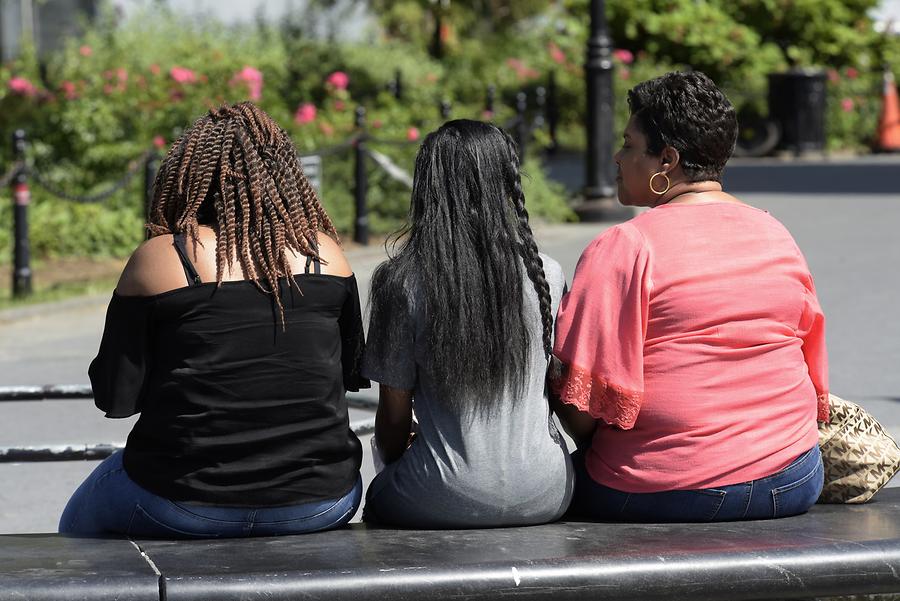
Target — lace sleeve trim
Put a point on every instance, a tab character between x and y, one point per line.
822	409
613	404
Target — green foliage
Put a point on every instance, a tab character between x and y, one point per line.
123	87
854	104
542	195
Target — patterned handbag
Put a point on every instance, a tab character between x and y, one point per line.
859	455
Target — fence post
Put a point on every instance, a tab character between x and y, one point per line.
398	85
521	128
552	112
489	101
21	284
361	182
540	103
151	166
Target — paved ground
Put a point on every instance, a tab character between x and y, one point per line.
849	240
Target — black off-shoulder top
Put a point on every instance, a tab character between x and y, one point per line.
236	410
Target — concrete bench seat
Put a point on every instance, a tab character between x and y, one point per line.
832	550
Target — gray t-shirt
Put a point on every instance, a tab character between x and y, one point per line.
508	468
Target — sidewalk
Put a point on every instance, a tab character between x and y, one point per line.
827	174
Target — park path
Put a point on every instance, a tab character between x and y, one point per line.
850	241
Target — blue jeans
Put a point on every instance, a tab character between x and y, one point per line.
109	502
790	491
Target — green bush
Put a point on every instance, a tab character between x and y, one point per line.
124	88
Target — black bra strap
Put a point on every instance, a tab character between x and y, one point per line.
190	273
317	265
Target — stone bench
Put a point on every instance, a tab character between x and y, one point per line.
832	550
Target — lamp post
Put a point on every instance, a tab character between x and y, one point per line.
600	186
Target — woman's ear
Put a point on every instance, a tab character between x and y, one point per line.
669	159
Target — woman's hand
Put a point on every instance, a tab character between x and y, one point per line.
578	425
393	422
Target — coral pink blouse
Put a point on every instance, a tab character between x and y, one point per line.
693	333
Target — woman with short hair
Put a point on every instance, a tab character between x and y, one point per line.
461	328
234	331
692	343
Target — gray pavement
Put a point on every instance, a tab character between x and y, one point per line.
849	241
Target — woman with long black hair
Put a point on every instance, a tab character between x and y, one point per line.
461	328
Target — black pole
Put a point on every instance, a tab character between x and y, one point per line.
398	85
151	166
552	112
21	284
540	103
361	225
437	44
521	129
600	188
489	100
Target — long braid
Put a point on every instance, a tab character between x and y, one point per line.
237	165
247	262
528	250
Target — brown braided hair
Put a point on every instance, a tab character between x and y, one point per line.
237	170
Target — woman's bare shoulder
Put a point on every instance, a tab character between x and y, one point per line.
153	268
334	261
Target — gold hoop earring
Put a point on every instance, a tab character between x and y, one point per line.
668	184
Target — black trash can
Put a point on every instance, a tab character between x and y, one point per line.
797	105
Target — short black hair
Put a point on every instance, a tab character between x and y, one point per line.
685	110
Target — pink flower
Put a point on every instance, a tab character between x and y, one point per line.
159	142
339	105
154	68
624	73
69	90
623	56
522	70
852	73
252	78
326	129
85	51
412	134
122	75
306	113
108	89
556	53
21	86
833	76
377	124
515	64
183	75
847	105
338	80
487	115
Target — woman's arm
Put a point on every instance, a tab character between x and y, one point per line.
577	424
393	422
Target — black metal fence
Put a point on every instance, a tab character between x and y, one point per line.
102	450
21	174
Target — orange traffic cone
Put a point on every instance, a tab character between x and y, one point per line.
889	122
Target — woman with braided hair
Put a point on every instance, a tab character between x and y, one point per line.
239	372
462	325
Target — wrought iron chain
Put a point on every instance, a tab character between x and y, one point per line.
10	175
377	141
133	168
328	150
